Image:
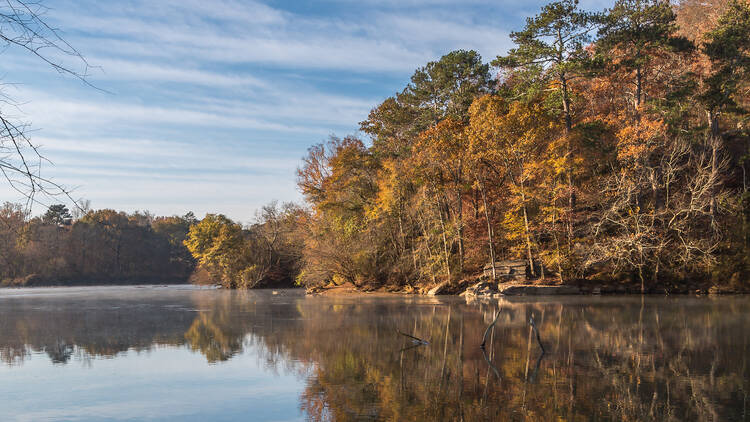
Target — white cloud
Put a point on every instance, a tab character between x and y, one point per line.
132	70
380	42
71	116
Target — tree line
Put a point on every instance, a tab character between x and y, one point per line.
98	247
110	247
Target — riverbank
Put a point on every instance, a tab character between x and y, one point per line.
488	288
37	281
480	287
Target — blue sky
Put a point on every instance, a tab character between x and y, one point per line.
211	104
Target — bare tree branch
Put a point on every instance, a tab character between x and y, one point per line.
22	26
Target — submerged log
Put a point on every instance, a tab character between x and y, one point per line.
440	289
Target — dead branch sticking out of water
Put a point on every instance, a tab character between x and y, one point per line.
536	331
484	337
415	340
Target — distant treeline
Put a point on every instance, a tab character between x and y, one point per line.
100	247
110	247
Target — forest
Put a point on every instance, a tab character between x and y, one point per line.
606	147
95	247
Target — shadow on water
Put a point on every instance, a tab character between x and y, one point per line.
581	358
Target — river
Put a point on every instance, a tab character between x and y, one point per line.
197	354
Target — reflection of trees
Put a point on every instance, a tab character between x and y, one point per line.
365	374
208	338
91	326
619	360
608	359
218	332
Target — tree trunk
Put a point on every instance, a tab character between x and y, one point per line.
713	121
554	233
429	248
526	229
568	154
489	229
476	203
566	103
445	242
401	234
638	88
640	275
460	230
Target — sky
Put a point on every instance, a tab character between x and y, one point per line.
209	106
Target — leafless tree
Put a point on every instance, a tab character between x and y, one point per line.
82	207
22	26
652	221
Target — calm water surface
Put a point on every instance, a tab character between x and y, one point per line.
189	354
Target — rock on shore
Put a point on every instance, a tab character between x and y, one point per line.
487	288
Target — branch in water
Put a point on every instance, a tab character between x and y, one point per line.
536	331
414	339
484	337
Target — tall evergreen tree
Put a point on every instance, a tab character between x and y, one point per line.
57	214
632	31
550	50
446	88
728	48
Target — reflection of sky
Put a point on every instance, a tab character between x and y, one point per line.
166	383
213	103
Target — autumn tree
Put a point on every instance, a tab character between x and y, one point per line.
441	154
275	245
339	179
512	140
696	17
670	241
12	222
217	243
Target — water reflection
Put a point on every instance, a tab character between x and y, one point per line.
607	358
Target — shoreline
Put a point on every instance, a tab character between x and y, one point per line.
515	288
481	289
